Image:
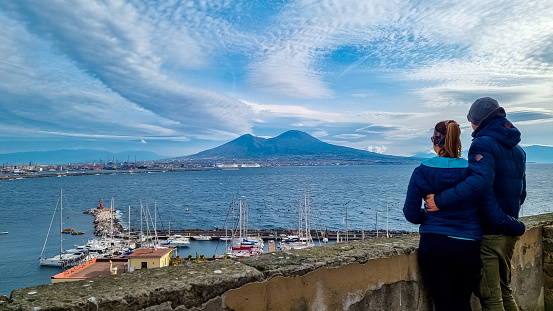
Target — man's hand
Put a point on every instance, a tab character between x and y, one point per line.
430	204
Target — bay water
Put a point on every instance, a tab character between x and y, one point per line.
372	196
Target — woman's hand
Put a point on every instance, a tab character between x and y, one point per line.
430	204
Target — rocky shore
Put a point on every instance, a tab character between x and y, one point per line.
103	221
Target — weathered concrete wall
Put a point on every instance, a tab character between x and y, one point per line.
376	274
527	273
548	267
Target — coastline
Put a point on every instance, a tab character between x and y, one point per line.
104	172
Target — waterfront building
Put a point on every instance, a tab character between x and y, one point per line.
147	258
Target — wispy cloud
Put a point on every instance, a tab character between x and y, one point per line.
358	117
178	70
349	136
127	48
320	134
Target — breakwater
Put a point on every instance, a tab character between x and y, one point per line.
105	221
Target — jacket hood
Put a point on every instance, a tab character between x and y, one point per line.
497	126
443	162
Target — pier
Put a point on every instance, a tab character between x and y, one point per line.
277	234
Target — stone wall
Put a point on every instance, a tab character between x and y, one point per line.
548	267
375	274
528	274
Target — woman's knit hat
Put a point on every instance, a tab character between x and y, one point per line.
480	109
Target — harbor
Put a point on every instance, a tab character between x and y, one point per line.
114	242
196	203
116	250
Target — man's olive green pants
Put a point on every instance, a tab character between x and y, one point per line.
495	291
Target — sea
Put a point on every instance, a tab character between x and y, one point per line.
371	197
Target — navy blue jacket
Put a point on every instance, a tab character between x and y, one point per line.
496	162
438	174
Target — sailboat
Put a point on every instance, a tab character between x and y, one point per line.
303	239
64	258
241	244
177	239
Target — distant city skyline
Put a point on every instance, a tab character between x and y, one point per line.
180	77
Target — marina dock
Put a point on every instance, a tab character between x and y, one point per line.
277	234
103	222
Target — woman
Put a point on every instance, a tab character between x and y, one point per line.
449	247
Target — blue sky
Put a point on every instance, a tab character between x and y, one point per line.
178	77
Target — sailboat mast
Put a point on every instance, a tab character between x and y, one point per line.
111	219
129	231
246	219
306	215
308	222
241	218
61	221
299	218
155	222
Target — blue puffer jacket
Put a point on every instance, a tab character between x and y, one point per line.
437	174
497	163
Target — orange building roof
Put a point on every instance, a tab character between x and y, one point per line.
150	253
93	268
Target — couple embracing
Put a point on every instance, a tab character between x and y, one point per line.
469	222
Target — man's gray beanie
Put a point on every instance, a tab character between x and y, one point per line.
481	108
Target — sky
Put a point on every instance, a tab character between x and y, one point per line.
178	77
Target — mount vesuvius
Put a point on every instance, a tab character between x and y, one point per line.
292	147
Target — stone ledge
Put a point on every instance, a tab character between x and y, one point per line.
300	262
189	285
537	220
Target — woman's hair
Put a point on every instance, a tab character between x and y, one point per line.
447	136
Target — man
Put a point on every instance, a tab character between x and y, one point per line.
497	163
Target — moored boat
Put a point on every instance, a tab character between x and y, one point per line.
64	258
201	237
247	247
176	240
241	244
